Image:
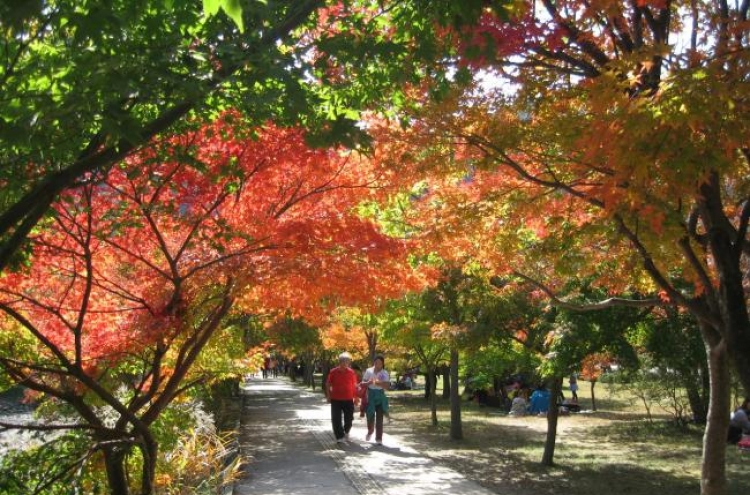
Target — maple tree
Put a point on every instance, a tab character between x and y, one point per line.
593	367
620	155
138	269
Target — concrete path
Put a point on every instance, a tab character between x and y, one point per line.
288	444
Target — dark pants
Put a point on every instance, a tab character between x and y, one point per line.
339	408
376	424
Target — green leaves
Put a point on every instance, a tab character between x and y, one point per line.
232	8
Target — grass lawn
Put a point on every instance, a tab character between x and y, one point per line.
614	450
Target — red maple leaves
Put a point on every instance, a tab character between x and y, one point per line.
135	259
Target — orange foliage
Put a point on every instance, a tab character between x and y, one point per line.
128	260
338	337
594	365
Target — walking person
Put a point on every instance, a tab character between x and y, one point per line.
378	382
341	391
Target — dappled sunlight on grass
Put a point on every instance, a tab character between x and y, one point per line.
618	451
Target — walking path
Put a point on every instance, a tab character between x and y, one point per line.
286	439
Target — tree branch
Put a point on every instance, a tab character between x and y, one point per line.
606	303
24	214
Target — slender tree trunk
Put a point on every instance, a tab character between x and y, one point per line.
114	463
713	463
554	412
308	377
593	396
429	384
372	344
324	378
433	399
447	385
698	404
456	432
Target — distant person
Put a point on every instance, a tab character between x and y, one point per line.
341	390
539	401
266	366
378	381
518	405
408	382
573	384
739	423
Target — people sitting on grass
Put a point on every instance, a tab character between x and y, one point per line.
519	404
539	400
405	382
739	423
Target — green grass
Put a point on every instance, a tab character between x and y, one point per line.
615	450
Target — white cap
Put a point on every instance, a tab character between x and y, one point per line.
345	355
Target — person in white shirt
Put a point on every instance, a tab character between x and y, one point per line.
378	382
739	423
518	406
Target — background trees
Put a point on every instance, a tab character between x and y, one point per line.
614	135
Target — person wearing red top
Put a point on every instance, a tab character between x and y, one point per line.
341	389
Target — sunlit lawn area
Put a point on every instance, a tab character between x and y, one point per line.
614	450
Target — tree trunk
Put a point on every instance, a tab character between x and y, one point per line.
698	404
593	397
730	294
429	384
149	449
433	399
114	463
372	344
456	432
737	328
552	415
308	378
713	463
324	379
447	385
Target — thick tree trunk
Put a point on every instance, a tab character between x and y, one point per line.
548	457
114	464
737	324
149	450
726	251
456	432
713	464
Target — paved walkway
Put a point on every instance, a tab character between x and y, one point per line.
286	439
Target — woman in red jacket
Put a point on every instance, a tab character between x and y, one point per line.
341	389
